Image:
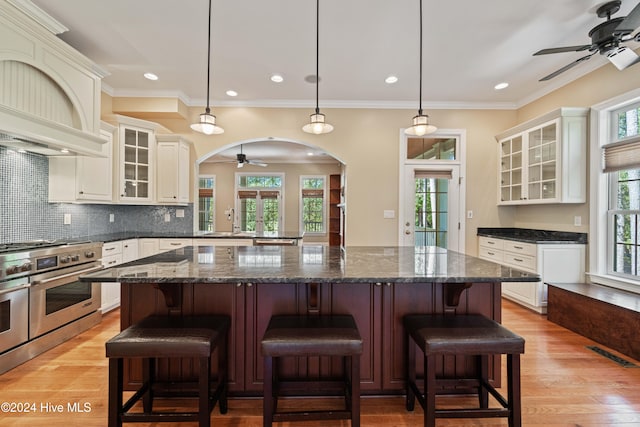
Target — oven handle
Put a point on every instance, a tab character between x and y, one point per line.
75	273
16	288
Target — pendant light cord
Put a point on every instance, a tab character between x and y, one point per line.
208	110
420	100
317	54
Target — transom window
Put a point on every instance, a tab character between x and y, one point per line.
312	202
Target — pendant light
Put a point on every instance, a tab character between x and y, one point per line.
316	124
207	123
421	124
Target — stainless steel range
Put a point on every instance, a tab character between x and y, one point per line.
42	302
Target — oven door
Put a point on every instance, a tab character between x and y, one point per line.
58	298
14	313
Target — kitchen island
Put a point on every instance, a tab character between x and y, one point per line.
377	285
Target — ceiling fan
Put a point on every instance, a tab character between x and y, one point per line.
241	158
607	39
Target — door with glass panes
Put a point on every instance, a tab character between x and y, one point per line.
259	203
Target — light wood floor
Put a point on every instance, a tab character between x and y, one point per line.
563	384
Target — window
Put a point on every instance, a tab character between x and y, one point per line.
259	202
622	162
615	194
312	202
206	203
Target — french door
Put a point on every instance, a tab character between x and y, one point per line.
259	211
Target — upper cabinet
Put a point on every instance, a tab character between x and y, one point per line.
83	178
173	154
544	160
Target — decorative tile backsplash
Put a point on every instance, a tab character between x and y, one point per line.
26	214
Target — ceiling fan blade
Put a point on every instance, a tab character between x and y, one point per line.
257	163
630	23
566	67
562	49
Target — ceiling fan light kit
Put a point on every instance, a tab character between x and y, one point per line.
607	38
207	124
317	124
420	124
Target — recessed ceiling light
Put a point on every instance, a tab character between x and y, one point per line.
501	86
309	153
232	93
277	78
391	79
150	76
64	151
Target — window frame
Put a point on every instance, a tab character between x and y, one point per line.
213	214
325	212
281	197
601	238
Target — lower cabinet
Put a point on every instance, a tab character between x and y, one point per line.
114	253
554	262
377	308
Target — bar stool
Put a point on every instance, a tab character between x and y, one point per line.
158	337
468	335
316	335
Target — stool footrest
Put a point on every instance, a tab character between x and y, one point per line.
472	413
311	415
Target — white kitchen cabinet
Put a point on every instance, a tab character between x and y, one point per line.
554	262
173	157
129	250
171	244
86	179
148	247
544	160
110	292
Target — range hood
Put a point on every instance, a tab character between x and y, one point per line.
22	131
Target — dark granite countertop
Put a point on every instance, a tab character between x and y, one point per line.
112	237
310	264
534	236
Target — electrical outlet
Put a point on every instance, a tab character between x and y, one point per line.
179	213
112	217
469	214
167	217
577	221
66	220
389	214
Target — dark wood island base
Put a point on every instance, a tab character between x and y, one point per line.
376	285
377	308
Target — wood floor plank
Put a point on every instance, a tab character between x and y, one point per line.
564	384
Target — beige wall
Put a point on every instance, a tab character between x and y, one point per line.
366	140
225	175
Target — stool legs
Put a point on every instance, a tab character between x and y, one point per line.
204	399
513	390
268	401
430	391
115	392
354	397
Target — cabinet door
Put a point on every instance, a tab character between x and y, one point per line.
136	167
173	172
511	162
542	167
148	247
95	174
129	250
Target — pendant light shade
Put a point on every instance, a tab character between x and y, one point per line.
207	123
420	124
317	124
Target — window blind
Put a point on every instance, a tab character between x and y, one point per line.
247	194
622	155
269	194
205	192
309	192
438	174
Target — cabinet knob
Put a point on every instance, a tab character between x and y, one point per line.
81	192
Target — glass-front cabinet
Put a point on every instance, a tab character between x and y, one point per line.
136	161
544	160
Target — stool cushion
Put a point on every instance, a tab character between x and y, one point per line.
461	334
165	336
301	335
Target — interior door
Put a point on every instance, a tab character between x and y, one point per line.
431	206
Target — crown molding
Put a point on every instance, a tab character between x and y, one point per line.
39	16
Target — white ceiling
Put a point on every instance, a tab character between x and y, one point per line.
469	47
